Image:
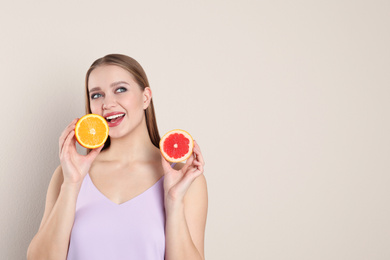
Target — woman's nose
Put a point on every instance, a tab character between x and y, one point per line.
108	102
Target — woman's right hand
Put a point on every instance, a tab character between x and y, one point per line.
74	165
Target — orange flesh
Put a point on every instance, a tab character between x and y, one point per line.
91	131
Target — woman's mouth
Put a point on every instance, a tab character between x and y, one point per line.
114	120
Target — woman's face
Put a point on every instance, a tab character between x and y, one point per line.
115	95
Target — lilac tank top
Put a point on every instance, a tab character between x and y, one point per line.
104	230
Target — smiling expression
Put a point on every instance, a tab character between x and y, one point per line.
115	95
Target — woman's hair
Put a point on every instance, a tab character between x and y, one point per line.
135	69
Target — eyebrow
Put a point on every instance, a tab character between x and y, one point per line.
111	85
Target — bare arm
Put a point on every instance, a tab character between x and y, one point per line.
186	209
185	224
52	238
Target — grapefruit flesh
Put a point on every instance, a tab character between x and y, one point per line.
176	145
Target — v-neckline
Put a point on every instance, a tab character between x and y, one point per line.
127	201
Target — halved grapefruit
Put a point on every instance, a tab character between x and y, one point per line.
176	145
91	131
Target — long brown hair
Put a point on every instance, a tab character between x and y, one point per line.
133	67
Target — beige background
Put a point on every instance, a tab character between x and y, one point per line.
289	101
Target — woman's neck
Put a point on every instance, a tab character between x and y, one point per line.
134	147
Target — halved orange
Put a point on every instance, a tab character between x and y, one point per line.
176	145
91	131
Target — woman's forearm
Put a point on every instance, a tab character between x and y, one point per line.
52	240
179	244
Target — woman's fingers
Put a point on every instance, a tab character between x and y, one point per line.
188	163
166	166
198	153
92	154
196	167
192	169
197	163
65	153
65	134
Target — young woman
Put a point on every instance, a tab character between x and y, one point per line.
123	200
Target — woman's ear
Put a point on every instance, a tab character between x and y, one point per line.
147	96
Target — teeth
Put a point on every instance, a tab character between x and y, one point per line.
114	116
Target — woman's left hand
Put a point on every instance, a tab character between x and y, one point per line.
177	182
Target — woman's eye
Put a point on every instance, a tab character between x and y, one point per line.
121	89
95	96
